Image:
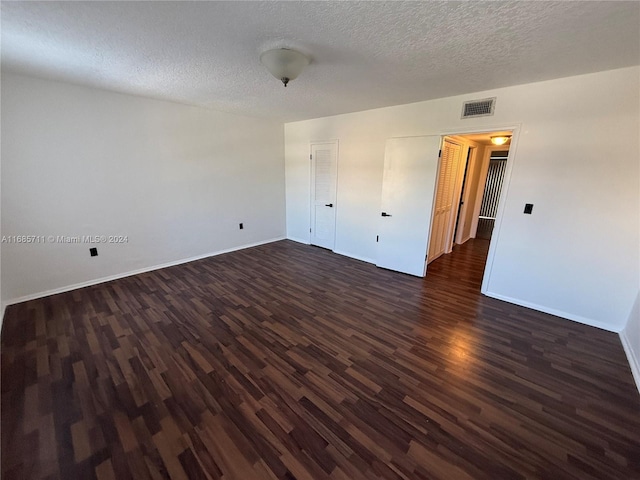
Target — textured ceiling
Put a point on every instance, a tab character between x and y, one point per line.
364	54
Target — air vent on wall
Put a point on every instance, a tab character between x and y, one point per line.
478	108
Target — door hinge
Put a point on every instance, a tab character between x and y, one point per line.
309	230
439	153
377	237
310	157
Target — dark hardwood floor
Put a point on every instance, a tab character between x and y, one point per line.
287	361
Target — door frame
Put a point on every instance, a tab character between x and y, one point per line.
506	182
312	187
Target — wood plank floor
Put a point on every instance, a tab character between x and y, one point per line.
286	361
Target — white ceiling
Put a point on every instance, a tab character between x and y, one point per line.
364	54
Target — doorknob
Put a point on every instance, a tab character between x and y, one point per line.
328	205
385	214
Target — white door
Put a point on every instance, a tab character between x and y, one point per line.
324	172
441	231
410	166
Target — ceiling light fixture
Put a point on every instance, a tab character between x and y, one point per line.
284	64
500	139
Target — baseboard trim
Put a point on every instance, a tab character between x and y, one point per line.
299	240
339	252
355	257
110	278
634	363
465	240
558	313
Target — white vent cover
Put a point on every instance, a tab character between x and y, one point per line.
478	108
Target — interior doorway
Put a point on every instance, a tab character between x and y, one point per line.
409	234
471	173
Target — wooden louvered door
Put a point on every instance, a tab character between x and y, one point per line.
444	200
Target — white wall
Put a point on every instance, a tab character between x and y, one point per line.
576	160
175	179
631	340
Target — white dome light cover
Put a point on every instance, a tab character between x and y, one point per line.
500	139
284	64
